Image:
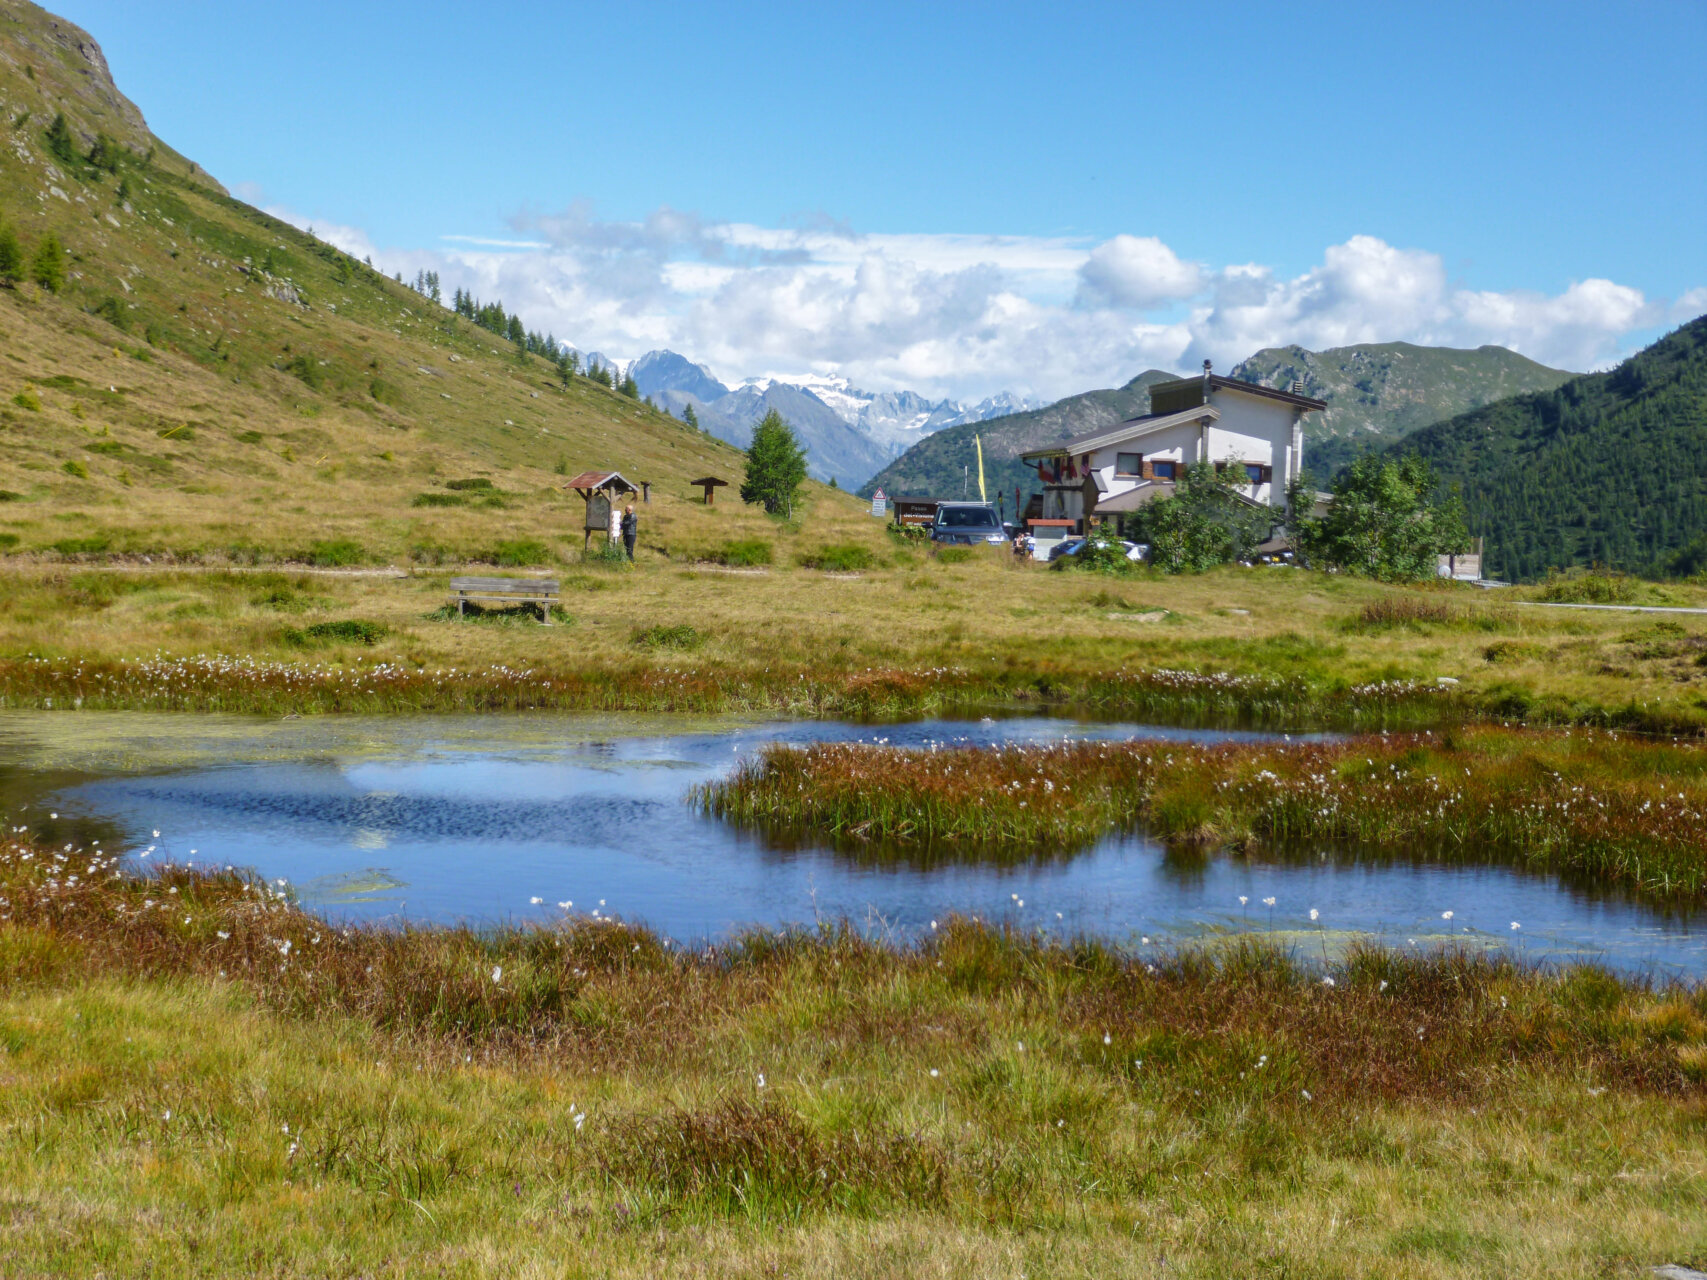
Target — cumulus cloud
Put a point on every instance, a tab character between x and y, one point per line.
1137	271
969	315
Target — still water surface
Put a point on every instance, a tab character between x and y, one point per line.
473	818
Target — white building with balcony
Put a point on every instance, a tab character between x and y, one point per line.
1255	431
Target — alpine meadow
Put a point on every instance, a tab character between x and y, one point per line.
955	784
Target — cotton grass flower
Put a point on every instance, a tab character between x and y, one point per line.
497	973
536	900
1315	914
1446	915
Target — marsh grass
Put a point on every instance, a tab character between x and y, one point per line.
1595	805
1424	612
190	1056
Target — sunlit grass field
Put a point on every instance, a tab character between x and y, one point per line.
907	634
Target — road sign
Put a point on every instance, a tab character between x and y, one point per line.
879	504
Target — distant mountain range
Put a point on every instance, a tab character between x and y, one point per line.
944	465
1607	468
1375	393
1378	392
848	433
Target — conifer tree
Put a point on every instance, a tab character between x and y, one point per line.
690	417
105	153
776	465
11	257
47	268
60	141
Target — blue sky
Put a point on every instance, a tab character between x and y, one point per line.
919	195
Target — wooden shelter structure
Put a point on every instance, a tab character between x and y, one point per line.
711	484
599	490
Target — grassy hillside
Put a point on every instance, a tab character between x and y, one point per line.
1376	392
1610	468
933	467
209	382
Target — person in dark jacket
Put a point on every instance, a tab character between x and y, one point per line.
630	529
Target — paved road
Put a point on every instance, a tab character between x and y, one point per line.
1617	608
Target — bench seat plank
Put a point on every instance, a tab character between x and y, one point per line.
541	591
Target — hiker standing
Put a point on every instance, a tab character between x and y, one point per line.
630	529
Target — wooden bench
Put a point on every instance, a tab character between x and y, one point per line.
539	591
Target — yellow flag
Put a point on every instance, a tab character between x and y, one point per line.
979	445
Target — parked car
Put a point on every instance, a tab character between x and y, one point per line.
967	524
1072	547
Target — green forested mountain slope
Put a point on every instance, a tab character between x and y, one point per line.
1377	392
1609	468
936	466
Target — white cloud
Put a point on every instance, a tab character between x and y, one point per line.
968	315
352	240
1137	271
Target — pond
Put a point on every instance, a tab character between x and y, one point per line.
494	819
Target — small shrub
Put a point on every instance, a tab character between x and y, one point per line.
680	637
1402	611
1509	651
348	630
8	541
747	553
306	370
1097	557
27	399
76	468
113	312
437	500
609	555
954	555
1592	586
93	545
250	437
10	495
335	553
520	551
843	557
431	553
479	482
386	393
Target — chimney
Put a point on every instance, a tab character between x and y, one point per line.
1206	371
1297	387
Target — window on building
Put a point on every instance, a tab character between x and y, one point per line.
1162	470
1253	473
1128	464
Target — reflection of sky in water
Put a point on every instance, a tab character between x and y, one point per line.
473	829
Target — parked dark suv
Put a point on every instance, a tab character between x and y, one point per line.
967	524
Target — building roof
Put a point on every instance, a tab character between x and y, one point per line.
1217	382
1131	429
1139	495
602	480
709	482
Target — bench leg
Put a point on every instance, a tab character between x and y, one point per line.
459	603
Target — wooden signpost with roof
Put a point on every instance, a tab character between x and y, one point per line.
599	490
